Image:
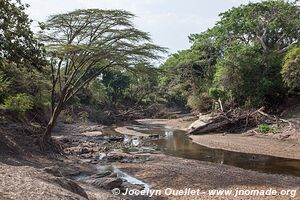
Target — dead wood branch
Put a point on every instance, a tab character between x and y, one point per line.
237	120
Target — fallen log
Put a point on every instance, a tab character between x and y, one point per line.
209	127
236	120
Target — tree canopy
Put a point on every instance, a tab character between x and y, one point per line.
17	42
83	43
241	55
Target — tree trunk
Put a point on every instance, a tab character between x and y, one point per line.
51	123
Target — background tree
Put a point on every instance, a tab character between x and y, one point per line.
23	77
273	24
271	27
188	74
241	55
17	42
291	68
83	43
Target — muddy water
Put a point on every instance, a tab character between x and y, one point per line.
175	143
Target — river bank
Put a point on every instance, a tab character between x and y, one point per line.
164	172
266	144
250	144
99	159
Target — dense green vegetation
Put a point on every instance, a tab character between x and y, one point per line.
98	59
240	60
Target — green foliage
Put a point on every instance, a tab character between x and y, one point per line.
83	116
19	103
199	102
242	54
68	119
265	128
99	91
273	24
23	78
291	68
188	73
4	84
86	44
240	71
116	82
217	93
17	42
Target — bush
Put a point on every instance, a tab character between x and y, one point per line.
217	93
69	119
19	103
291	68
4	84
83	116
265	128
199	102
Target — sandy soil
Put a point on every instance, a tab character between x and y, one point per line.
176	173
181	123
126	131
250	144
21	179
267	145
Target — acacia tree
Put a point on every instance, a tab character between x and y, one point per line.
83	43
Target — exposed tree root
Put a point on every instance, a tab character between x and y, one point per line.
50	145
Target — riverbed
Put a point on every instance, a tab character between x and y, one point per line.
176	143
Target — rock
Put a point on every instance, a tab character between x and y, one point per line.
117	155
116	139
132	187
107	183
102	156
154	136
94	162
54	170
61	172
65	140
85	150
86	156
92	133
101	175
70	185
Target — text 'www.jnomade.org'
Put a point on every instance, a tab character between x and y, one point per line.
197	192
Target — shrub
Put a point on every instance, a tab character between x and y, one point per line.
83	116
19	103
265	128
217	93
199	102
69	119
4	84
291	68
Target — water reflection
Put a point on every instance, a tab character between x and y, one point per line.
176	143
131	141
168	132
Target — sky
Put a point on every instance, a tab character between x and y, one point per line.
169	22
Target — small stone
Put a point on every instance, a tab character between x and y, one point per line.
108	183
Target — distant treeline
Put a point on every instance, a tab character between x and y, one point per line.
251	58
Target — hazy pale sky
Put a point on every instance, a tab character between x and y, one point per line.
168	21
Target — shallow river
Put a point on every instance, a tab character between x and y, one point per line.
176	143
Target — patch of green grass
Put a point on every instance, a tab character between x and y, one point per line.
265	128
